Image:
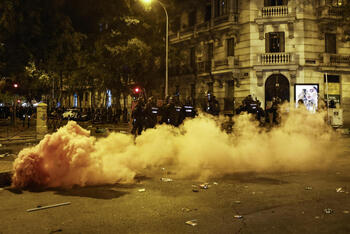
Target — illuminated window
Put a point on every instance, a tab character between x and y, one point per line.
274	42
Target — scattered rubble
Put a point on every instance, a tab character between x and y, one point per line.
142	190
166	179
308	188
238	216
192	222
204	186
340	190
328	211
49	206
185	210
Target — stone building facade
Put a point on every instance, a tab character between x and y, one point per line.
234	48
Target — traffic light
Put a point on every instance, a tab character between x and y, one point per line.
137	90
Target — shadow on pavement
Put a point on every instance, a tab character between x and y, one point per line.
98	192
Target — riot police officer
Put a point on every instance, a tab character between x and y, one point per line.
188	108
137	118
151	113
213	106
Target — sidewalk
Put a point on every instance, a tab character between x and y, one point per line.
19	134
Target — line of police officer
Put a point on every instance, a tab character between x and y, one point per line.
269	116
173	112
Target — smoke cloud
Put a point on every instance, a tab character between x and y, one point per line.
197	149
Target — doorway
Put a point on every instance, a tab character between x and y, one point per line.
277	85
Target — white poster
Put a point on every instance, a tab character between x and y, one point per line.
308	94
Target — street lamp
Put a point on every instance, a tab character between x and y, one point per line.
166	42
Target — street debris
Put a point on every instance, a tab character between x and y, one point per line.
328	211
195	188
166	179
54	231
238	202
345	211
142	190
49	206
192	222
215	183
308	188
204	186
185	210
253	193
340	190
238	216
317	217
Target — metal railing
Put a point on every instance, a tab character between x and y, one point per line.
275	11
336	59
276	58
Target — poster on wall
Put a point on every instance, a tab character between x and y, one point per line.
308	94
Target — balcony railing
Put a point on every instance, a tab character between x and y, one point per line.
228	62
204	67
331	12
275	58
336	59
275	11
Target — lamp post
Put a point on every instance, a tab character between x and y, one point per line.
166	43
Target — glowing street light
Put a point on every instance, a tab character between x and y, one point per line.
166	43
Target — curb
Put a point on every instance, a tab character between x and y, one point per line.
18	142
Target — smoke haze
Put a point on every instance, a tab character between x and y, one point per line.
197	149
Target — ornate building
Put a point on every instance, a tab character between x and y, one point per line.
234	48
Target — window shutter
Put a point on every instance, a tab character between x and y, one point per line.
281	41
267	42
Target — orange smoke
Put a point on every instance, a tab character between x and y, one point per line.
197	149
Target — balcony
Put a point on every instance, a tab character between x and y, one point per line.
330	12
336	59
275	11
275	58
224	65
224	22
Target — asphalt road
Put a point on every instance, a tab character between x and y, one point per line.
268	203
